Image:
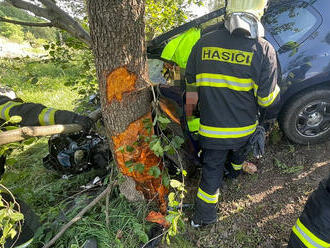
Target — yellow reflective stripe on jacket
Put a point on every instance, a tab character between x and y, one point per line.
206	197
226	133
224	81
307	237
47	117
268	100
237	166
5	108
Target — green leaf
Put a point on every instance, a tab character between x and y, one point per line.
16	216
8	128
129	148
168	239
175	224
139	167
175	183
29	141
171	197
12	233
11	161
154	171
165	180
129	163
164	120
157	148
121	149
177	142
184	173
15	119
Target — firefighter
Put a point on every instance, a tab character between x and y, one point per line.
235	72
312	228
34	114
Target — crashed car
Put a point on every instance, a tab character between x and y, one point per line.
299	31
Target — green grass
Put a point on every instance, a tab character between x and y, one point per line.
40	82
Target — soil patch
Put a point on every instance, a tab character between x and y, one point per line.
258	211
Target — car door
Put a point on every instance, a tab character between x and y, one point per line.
293	30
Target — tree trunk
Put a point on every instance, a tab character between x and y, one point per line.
118	41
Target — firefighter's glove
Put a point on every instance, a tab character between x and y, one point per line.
257	142
83	121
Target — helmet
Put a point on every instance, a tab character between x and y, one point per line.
254	7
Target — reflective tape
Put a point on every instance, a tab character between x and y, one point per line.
307	237
268	100
225	133
206	197
5	108
237	166
47	117
224	81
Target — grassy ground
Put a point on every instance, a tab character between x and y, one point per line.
39	82
255	211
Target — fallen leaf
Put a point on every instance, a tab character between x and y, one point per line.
249	168
156	217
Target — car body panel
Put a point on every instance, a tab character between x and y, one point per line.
310	59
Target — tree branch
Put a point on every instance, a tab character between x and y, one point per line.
30	24
28	132
42	12
80	214
57	17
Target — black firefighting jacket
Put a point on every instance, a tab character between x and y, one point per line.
235	76
34	114
312	228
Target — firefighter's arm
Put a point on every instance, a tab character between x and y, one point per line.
191	89
267	89
191	102
34	114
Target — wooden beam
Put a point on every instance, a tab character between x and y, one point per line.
38	131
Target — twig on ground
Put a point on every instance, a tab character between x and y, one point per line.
80	215
154	238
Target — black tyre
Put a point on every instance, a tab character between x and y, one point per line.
306	118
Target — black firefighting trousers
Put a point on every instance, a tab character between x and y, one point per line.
312	228
215	164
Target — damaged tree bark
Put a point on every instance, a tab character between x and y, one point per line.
118	41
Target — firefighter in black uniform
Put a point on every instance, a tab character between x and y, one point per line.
34	114
312	228
235	72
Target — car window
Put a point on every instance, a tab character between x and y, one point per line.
292	23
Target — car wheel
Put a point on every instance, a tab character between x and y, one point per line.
306	119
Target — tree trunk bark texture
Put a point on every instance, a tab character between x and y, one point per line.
118	41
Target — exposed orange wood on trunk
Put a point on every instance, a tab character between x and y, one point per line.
147	184
169	109
120	81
